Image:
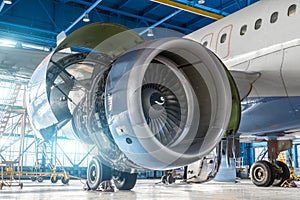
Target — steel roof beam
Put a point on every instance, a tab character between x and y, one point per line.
28	28
227	6
47	42
48	15
83	14
186	30
160	21
150	8
123	3
189	9
2	5
209	9
10	7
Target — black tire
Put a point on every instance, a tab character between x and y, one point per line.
96	173
33	178
125	180
262	173
284	175
40	179
53	179
164	179
170	179
65	180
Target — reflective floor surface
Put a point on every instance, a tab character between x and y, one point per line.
148	189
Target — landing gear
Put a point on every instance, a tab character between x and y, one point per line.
262	173
125	180
265	174
96	173
283	173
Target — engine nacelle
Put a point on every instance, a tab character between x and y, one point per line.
168	102
159	104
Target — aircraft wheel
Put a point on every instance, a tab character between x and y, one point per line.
262	173
284	175
125	180
96	173
170	179
33	178
40	179
53	179
164	179
65	180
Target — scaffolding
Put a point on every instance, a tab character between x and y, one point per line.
7	107
19	145
9	136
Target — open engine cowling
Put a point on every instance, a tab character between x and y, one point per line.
159	104
168	102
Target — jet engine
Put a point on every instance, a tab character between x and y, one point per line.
157	104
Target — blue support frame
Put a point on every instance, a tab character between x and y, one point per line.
48	15
83	14
202	7
185	30
160	22
2	5
295	155
247	152
9	7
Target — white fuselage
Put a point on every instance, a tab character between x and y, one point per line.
272	48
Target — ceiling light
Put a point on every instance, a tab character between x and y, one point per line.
86	18
201	1
7	2
150	33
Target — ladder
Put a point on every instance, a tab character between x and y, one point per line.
5	115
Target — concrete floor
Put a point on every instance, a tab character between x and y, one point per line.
147	189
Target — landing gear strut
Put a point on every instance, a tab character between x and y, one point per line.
98	173
264	173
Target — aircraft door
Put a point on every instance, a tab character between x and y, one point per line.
223	42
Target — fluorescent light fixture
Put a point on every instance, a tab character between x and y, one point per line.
150	33
201	1
7	2
7	43
86	18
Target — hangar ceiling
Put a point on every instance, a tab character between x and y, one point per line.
39	21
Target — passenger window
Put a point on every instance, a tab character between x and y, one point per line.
258	24
292	10
243	30
223	38
205	43
274	17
